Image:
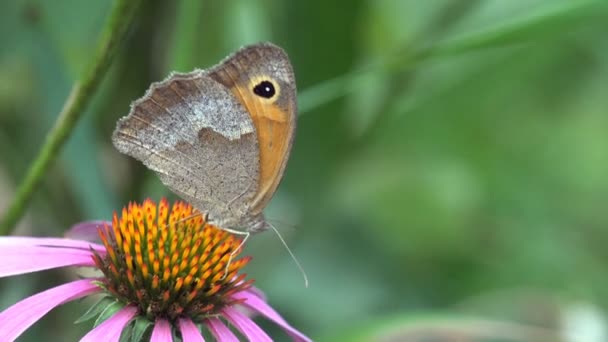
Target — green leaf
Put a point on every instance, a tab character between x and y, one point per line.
96	309
126	334
139	329
109	311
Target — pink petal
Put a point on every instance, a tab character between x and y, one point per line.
112	327
17	318
189	330
258	293
220	331
254	302
23	241
162	331
87	230
245	325
20	260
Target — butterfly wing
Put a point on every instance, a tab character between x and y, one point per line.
248	73
200	140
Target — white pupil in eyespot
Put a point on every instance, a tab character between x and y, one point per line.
265	89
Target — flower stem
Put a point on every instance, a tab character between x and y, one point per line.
80	96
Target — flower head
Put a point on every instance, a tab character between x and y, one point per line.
165	267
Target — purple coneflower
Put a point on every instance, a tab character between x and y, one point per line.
164	269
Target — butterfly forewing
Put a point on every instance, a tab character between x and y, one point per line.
202	144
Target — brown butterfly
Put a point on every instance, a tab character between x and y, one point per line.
220	138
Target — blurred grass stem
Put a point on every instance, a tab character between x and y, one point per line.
121	16
407	58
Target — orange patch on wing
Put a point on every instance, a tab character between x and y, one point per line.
274	113
273	130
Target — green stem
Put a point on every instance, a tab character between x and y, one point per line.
82	92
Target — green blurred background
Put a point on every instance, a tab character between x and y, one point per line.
449	178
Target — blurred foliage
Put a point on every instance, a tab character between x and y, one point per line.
451	158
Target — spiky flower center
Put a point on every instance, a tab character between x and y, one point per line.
170	263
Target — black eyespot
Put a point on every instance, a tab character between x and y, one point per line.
264	89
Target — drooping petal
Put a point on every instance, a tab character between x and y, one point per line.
23	241
161	331
220	331
112	327
17	318
254	302
20	260
87	230
257	292
245	325
254	291
190	332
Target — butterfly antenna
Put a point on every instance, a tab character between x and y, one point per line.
292	255
284	223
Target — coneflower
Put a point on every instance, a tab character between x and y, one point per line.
165	273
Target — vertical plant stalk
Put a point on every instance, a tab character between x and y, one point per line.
121	16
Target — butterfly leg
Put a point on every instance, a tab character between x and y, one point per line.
236	250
